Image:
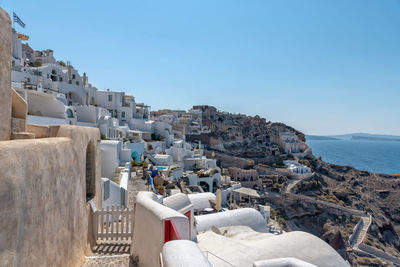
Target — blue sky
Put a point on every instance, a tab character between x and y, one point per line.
323	67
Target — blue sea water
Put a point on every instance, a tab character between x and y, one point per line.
374	156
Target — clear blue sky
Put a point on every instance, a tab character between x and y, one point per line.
323	67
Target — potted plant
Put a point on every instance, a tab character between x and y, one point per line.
160	189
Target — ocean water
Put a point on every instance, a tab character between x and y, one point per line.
374	156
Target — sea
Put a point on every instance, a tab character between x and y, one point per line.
374	156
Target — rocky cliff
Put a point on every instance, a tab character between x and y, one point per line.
245	136
246	140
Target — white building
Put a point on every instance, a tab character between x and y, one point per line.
296	168
292	143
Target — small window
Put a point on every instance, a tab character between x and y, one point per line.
123	114
61	79
73	76
53	72
106	190
77	83
28	80
110	98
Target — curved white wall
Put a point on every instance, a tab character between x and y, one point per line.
246	216
148	233
183	253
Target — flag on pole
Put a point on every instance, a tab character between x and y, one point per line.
18	20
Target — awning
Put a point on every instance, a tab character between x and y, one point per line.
247	191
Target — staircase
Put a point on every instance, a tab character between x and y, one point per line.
363	231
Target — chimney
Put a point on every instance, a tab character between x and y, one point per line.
69	73
84	79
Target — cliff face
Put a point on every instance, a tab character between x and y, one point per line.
244	136
377	194
241	140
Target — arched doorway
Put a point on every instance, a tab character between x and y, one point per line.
90	171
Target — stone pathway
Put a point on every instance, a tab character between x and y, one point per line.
294	182
109	261
117	253
136	184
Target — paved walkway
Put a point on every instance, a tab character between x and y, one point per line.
136	184
117	253
360	233
109	261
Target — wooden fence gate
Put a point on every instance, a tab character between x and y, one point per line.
113	223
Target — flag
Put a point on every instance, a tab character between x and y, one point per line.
18	20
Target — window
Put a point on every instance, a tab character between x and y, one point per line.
53	72
73	76
122	97
77	83
110	98
123	114
61	79
106	187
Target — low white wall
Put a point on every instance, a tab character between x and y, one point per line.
109	157
183	253
201	201
283	262
115	194
125	155
148	233
182	204
246	217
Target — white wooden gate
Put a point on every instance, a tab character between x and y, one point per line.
113	223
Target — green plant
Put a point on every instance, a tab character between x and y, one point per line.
160	188
103	137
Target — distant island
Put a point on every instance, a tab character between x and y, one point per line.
355	136
320	137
